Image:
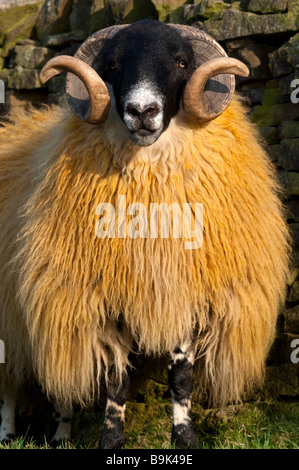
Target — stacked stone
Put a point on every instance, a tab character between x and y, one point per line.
263	34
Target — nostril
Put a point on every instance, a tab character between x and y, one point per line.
151	111
142	112
133	111
140	115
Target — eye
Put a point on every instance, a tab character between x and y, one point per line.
182	64
112	65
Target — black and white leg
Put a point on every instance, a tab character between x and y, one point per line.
8	416
63	421
180	377
113	431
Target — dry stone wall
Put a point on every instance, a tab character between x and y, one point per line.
263	34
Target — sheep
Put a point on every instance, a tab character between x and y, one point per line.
153	119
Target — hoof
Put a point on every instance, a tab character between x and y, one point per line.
183	437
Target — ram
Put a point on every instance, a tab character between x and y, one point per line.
153	121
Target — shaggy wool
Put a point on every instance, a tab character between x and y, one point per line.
72	304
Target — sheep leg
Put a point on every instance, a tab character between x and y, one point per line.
180	371
113	431
8	416
63	419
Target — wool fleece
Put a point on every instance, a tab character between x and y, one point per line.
73	303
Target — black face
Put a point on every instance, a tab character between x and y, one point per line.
147	64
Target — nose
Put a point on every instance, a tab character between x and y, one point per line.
143	113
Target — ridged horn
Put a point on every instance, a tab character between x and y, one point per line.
86	93
196	104
218	91
90	52
98	106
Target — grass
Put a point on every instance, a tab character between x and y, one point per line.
250	427
254	428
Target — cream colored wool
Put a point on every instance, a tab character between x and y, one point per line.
63	290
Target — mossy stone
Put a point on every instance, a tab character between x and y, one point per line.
264	6
286	84
293	295
254	55
200	11
93	15
30	57
16	23
273	151
288	408
293	214
80	16
138	10
1	60
288	155
294	229
65	39
293	52
165	7
100	16
273	115
20	78
179	15
286	58
210	8
206	419
271	96
57	84
117	7
150	418
252	96
53	18
282	381
281	350
154	390
294	271
269	134
290	182
291	319
235	24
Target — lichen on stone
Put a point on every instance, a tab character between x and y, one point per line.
17	23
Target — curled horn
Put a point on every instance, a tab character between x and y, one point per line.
211	87
196	104
86	93
97	108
